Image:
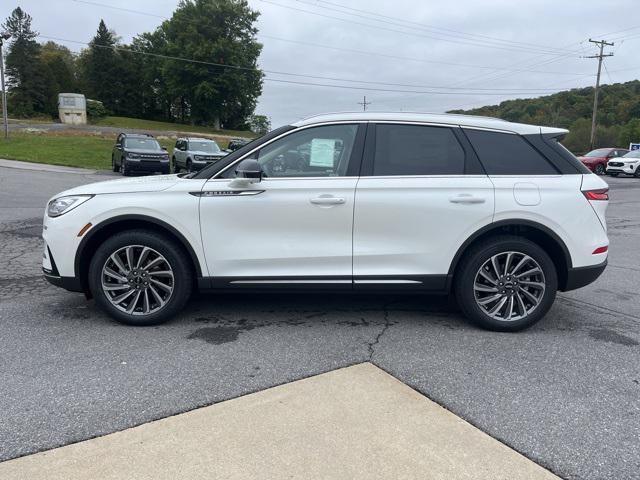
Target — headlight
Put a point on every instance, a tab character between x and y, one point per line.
198	158
133	156
61	205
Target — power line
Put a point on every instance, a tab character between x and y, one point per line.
413	59
377	27
276	72
447	31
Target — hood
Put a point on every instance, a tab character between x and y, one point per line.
153	183
207	154
145	151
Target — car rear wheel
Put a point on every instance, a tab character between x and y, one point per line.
600	170
140	277
506	283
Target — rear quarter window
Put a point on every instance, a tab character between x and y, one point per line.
508	154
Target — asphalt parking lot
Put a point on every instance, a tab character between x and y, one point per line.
565	393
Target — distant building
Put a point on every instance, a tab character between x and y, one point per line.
72	108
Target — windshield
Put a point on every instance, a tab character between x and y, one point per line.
633	154
142	143
601	152
208	146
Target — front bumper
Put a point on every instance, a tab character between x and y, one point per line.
148	166
628	169
581	276
51	274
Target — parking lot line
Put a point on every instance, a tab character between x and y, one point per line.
355	422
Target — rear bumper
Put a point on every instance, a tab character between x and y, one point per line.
582	276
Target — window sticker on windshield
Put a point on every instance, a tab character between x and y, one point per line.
322	152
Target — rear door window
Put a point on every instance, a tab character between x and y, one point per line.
417	150
508	154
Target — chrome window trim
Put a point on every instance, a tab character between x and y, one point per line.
290	132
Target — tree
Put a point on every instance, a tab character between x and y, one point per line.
25	79
221	32
630	133
100	64
59	69
259	124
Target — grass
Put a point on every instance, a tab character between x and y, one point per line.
70	150
139	124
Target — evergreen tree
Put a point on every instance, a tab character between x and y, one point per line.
25	78
100	68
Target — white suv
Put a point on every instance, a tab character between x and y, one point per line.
498	213
192	154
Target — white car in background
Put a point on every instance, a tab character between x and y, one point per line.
628	164
192	154
496	212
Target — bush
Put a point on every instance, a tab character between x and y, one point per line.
96	110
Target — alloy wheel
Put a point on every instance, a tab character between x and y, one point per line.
509	286
137	280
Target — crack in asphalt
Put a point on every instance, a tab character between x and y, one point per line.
387	324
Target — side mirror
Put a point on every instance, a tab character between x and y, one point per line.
118	146
248	171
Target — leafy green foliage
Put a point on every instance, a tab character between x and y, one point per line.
618	114
96	110
259	124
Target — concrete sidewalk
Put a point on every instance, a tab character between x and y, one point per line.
44	167
353	423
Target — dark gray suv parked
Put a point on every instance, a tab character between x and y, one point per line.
139	153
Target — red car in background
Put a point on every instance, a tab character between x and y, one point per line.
596	160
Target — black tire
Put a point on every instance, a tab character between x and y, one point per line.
174	165
600	170
124	169
637	172
474	260
113	164
189	165
173	253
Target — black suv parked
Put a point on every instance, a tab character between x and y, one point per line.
236	143
135	152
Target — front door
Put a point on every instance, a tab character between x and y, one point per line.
293	227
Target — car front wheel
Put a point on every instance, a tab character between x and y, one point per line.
506	283
140	277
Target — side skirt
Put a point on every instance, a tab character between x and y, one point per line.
431	284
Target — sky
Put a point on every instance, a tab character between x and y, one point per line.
404	55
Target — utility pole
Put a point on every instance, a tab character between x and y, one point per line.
600	56
5	118
364	103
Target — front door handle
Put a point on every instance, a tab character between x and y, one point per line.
328	201
466	199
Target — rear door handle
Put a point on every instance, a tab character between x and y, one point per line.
466	199
327	201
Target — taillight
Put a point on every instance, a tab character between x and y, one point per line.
600	250
599	194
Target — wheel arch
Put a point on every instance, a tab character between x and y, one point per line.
103	230
536	232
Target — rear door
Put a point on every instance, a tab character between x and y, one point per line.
422	193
